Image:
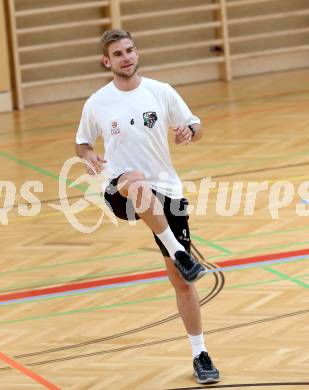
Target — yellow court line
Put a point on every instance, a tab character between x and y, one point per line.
91	208
268	181
47	215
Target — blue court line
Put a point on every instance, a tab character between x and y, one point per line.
286	277
83	291
261	264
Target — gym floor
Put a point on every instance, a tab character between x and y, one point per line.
92	311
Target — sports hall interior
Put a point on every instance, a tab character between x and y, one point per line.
95	310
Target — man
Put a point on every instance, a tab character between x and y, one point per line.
132	114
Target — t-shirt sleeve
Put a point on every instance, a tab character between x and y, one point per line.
87	132
179	113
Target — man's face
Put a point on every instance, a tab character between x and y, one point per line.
122	58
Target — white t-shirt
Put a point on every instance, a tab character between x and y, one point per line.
134	127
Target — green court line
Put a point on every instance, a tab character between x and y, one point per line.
304	258
87	310
111	272
244	285
202	241
84	188
78	278
94	259
56	177
257	250
99	259
94	291
280	231
302	275
286	277
41	170
118	287
193	236
260	282
241	162
48	128
95	308
165	281
57	265
29	165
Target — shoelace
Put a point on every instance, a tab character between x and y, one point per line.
182	268
186	262
204	362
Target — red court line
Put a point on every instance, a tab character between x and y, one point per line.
239	114
258	259
140	276
37	141
43	141
81	285
27	372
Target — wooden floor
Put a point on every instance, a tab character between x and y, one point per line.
104	328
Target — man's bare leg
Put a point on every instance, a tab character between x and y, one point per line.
132	185
187	300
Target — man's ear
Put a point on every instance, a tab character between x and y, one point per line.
137	52
105	61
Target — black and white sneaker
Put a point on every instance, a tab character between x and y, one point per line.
204	370
189	268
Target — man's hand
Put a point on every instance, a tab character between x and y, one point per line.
96	161
182	135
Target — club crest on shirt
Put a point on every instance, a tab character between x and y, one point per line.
114	128
150	118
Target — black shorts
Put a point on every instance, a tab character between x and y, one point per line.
175	211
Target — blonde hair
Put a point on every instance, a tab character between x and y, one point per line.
111	36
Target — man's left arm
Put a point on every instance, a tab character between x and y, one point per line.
186	134
186	126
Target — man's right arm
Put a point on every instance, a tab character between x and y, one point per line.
86	152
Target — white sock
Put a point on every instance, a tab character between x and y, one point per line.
169	241
197	344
